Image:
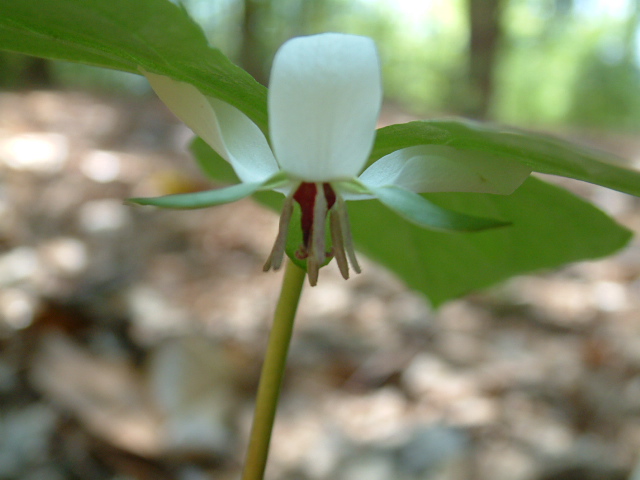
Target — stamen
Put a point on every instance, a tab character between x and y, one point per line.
317	254
277	252
316	201
338	244
343	216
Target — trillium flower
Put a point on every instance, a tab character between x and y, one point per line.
324	99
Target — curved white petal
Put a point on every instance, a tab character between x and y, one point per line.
439	168
225	128
324	99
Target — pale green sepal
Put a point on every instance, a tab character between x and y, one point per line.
352	190
277	181
541	153
423	213
207	198
440	168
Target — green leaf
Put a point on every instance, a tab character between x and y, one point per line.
542	153
549	227
212	165
208	198
426	214
156	35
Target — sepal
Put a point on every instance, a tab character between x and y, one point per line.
211	198
422	212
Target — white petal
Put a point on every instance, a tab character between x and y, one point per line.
439	168
324	99
225	128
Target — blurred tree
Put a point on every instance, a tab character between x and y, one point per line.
566	62
37	73
268	23
252	52
563	7
20	71
543	63
484	37
607	90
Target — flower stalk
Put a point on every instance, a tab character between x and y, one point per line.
273	372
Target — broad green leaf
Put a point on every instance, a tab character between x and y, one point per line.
542	153
156	35
549	227
417	209
212	165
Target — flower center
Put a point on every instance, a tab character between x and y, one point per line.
316	200
306	195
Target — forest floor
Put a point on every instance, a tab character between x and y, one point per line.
131	338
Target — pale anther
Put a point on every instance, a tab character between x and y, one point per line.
345	227
338	243
277	252
317	254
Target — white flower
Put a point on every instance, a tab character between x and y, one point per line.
325	95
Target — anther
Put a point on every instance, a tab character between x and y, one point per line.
316	200
277	252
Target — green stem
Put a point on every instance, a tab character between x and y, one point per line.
272	373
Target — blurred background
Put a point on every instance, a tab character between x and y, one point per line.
530	62
131	338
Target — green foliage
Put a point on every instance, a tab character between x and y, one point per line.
572	66
607	95
123	35
557	64
549	226
544	154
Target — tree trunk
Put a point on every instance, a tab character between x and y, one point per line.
251	51
485	31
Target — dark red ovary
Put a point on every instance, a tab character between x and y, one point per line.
305	195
